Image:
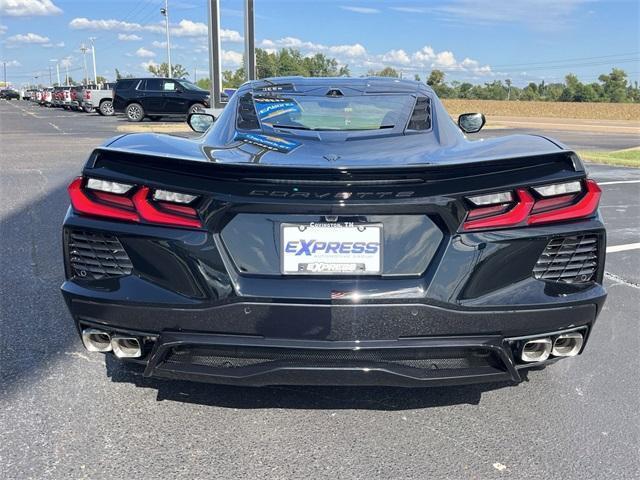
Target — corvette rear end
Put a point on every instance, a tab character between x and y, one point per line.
301	242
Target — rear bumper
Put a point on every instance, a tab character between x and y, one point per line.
259	343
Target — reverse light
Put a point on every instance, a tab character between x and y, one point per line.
167	196
107	186
559	189
491	199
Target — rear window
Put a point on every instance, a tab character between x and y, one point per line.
326	113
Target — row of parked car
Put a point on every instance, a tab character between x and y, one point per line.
136	98
88	98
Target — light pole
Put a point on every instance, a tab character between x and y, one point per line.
84	49
93	52
165	11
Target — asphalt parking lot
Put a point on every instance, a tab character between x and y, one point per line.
65	413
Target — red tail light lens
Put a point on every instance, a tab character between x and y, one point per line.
511	217
150	213
550	203
584	207
83	203
97	198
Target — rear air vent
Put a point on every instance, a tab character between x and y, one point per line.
95	256
568	260
421	115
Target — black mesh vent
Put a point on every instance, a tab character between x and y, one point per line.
421	115
94	256
436	361
568	260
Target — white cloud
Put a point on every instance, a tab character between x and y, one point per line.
425	54
51	45
537	14
158	44
146	65
83	23
129	37
32	38
445	59
365	10
231	58
187	28
23	8
3	29
410	9
347	51
230	36
144	53
13	63
396	57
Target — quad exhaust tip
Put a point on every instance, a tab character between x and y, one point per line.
567	344
96	340
536	350
126	347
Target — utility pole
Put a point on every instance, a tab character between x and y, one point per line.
93	52
58	72
84	49
66	78
165	11
4	64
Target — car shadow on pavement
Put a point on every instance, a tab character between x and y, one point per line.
35	326
298	397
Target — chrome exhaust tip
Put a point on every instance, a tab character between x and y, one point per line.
567	344
536	350
126	347
96	340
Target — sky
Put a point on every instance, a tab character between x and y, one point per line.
470	40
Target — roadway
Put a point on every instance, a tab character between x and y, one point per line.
66	413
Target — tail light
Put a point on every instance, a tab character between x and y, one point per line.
120	201
533	206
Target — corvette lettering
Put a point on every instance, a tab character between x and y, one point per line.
331	195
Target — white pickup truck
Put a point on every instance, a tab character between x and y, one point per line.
99	99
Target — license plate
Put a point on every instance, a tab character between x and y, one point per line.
331	249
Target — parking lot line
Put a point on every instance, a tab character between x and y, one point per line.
623	248
619	181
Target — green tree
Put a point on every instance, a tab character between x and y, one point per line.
436	78
204	83
416	77
614	85
162	70
387	72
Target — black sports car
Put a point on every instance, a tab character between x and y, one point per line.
334	231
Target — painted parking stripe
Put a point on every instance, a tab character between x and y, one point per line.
622	248
620	181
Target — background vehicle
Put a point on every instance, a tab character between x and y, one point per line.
335	231
9	94
100	99
157	97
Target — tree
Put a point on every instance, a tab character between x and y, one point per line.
416	77
162	70
204	83
614	85
386	72
436	78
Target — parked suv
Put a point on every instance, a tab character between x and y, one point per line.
138	98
